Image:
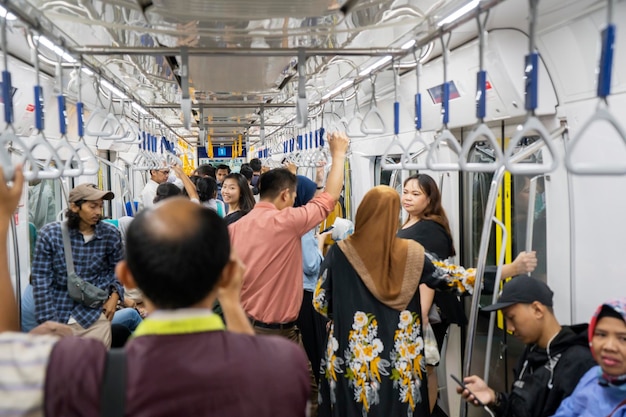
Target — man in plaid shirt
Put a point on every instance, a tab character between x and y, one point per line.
96	249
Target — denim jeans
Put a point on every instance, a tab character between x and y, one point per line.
127	317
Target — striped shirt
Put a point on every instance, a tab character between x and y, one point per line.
94	261
23	364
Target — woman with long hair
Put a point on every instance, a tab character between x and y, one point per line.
427	224
373	363
237	194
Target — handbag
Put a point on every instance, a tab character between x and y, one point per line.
80	290
431	349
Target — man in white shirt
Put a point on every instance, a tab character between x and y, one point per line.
157	176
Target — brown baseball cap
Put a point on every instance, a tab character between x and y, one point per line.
89	192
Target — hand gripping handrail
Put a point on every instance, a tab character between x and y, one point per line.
417	139
445	136
395	140
532	124
373	113
481	131
601	113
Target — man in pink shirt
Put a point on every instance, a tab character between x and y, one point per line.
268	241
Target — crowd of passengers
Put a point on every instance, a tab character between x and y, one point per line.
227	302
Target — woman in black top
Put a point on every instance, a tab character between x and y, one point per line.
428	225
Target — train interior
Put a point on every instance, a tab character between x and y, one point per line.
532	156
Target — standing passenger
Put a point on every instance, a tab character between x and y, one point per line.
268	242
312	325
428	225
374	359
157	176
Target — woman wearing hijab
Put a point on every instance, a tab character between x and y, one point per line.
374	359
601	392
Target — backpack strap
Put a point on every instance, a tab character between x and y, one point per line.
616	408
113	395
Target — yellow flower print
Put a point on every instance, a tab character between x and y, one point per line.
407	359
364	366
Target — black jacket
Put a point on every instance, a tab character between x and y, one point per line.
544	378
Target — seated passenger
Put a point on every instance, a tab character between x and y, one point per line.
602	391
555	358
181	361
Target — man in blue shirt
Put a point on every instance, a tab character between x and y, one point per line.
96	249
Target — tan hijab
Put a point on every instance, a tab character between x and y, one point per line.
390	267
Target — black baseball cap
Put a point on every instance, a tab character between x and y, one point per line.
525	290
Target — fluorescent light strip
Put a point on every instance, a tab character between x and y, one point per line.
139	108
59	51
337	89
408	45
113	89
3	13
375	66
460	12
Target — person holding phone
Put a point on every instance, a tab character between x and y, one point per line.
555	359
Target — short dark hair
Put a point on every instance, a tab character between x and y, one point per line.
207	188
246	199
205	170
192	265
223	166
166	190
256	164
274	181
247	172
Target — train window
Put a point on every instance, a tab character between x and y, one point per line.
522	218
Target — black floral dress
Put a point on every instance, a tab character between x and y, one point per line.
374	359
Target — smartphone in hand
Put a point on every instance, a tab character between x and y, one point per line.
462	384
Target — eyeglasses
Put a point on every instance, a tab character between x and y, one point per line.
166	172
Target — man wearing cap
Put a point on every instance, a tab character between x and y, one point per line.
555	358
96	249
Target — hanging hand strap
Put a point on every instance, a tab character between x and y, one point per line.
67	247
113	394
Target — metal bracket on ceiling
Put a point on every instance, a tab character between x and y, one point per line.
185	102
301	103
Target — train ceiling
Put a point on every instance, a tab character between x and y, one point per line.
242	54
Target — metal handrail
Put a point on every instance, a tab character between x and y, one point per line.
494	298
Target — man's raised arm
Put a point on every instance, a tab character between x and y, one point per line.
8	204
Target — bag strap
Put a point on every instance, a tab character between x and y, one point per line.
616	408
67	247
113	395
